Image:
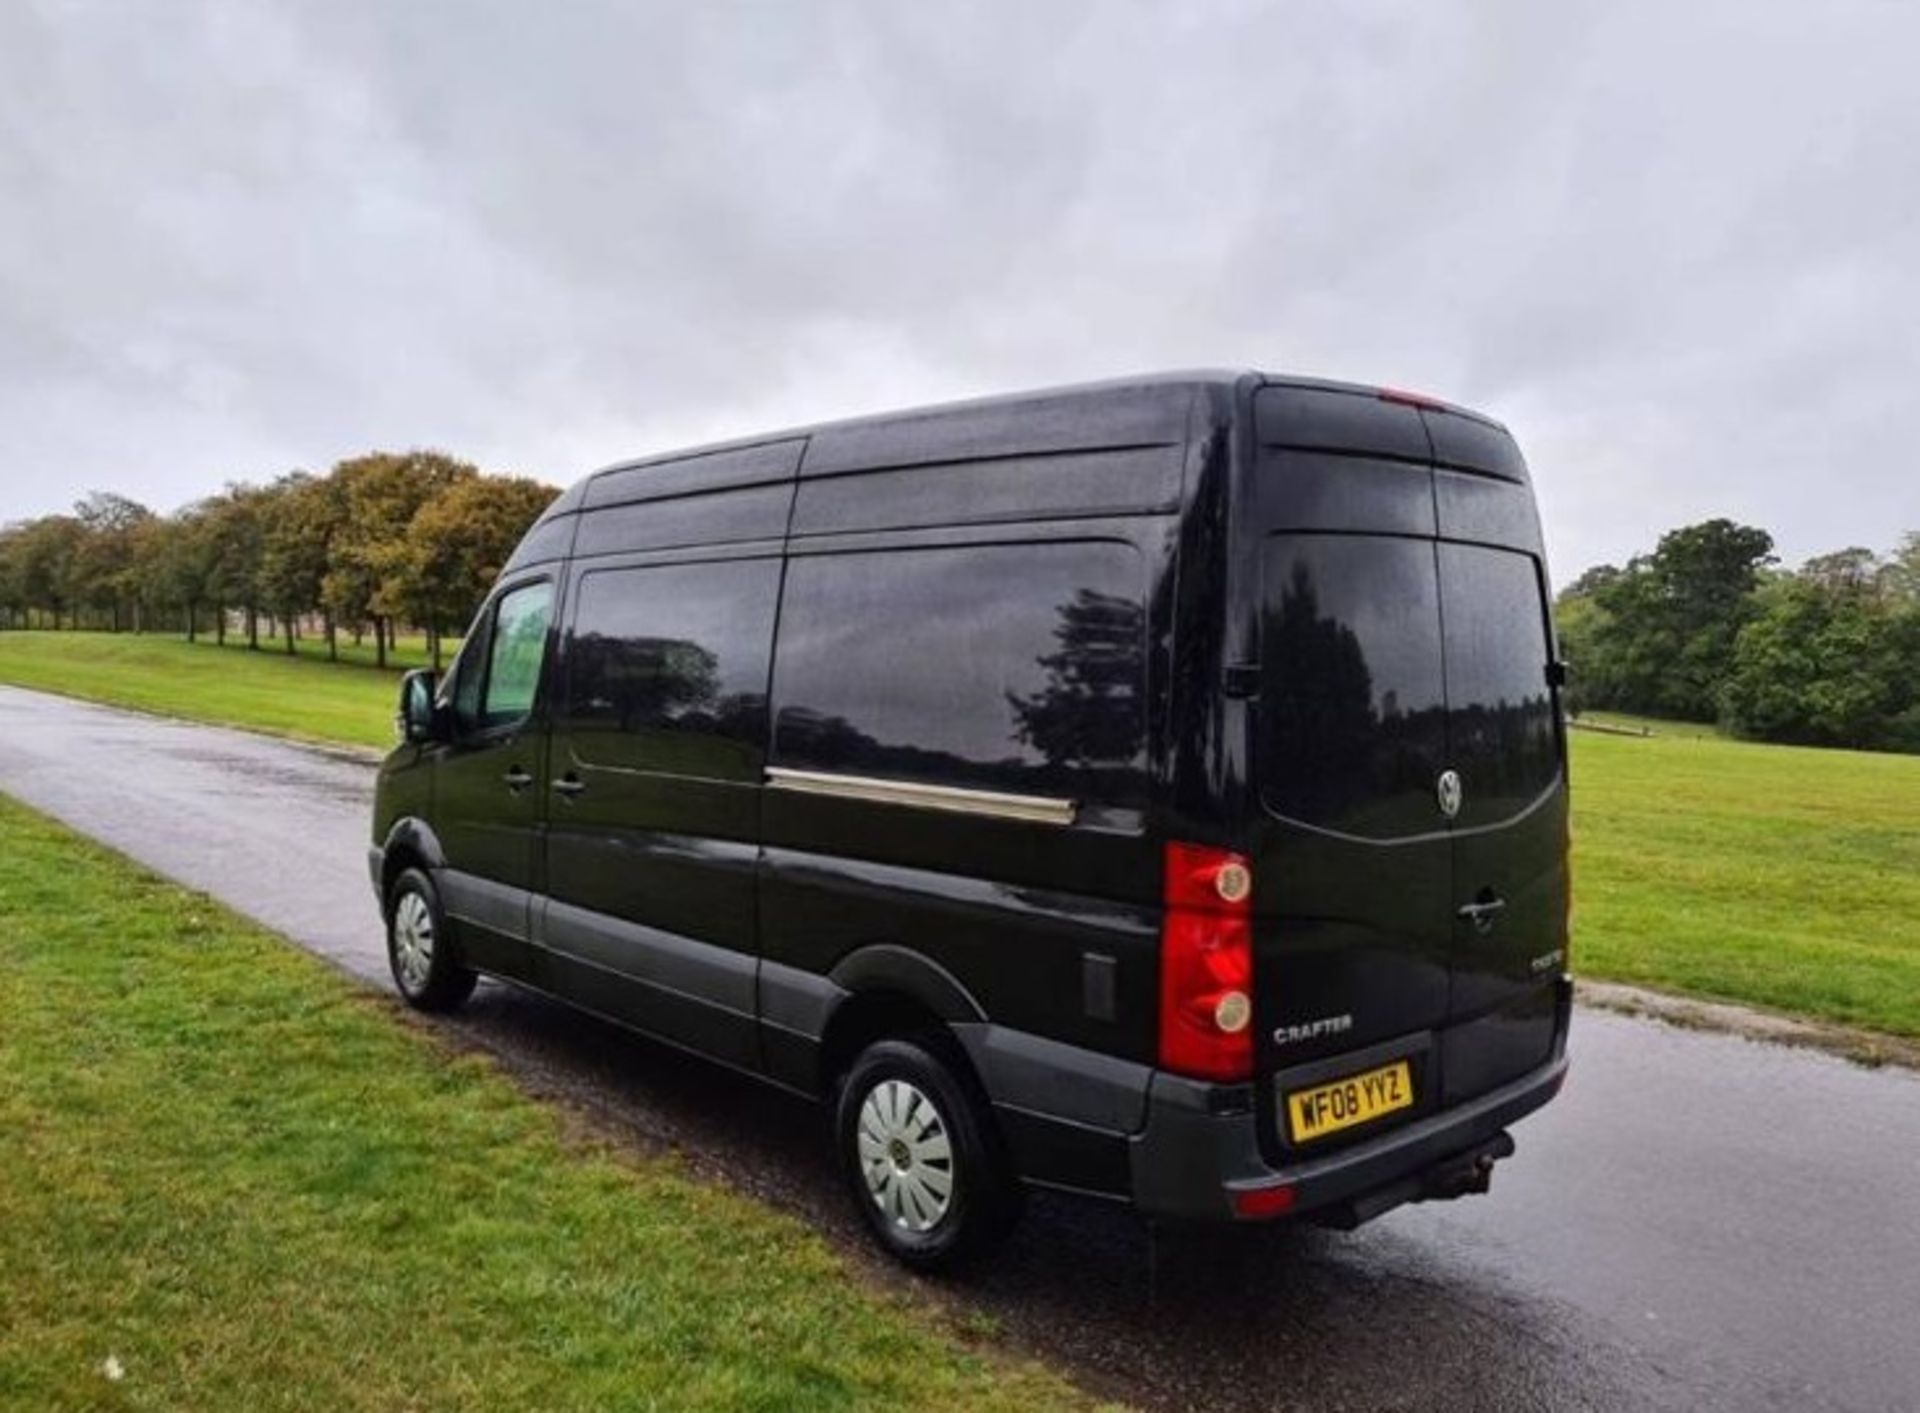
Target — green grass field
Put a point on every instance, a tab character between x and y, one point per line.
1772	875
230	1178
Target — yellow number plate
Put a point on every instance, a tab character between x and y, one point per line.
1357	1099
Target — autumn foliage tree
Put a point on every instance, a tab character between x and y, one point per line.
456	545
382	539
380	495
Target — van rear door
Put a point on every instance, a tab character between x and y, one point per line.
1510	832
1352	861
1353	865
1404	649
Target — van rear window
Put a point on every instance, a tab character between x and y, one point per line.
1000	667
1500	733
1352	705
1385	661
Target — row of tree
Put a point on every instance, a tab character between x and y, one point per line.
1708	627
379	541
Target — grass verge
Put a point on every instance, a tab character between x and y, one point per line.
303	696
229	1178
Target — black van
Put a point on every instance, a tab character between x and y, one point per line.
1153	789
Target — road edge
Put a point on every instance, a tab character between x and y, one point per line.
1869	1049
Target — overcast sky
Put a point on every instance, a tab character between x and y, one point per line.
1675	246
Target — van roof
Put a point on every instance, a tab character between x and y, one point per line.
1140	410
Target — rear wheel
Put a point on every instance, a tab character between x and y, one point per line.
922	1160
418	948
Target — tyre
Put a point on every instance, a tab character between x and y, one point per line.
922	1159
420	949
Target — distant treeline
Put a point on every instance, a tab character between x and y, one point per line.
379	541
1708	628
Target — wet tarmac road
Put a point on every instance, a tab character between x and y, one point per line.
1699	1221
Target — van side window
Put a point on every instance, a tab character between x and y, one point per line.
667	668
469	672
515	653
1004	667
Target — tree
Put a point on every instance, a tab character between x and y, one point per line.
185	564
1591	582
1826	661
236	545
456	546
13	597
303	515
49	550
105	570
1661	640
1579	621
1900	575
381	493
1847	571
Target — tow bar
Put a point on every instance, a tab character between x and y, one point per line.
1462	1175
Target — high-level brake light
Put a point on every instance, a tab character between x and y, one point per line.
1206	964
1412	399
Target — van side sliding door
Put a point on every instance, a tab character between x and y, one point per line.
657	754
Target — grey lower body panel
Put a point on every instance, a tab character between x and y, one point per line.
795	1006
1190	1163
1065	1111
1199	1151
472	901
693	993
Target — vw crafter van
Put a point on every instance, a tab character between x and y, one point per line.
1154	790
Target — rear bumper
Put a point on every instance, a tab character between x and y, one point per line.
1198	1157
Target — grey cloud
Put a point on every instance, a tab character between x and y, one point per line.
1670	245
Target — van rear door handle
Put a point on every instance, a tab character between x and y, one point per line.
1483	910
517	779
569	785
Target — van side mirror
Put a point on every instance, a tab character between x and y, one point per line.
419	720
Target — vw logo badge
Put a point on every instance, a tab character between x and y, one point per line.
1448	791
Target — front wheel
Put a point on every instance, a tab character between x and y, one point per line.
921	1157
418	948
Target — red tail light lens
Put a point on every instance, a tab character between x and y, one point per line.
1206	964
1256	1202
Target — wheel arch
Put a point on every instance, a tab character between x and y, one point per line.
411	843
887	990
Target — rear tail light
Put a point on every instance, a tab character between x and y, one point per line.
1206	964
1252	1203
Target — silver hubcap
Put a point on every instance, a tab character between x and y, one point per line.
905	1155
413	940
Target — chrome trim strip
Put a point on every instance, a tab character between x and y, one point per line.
1035	809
